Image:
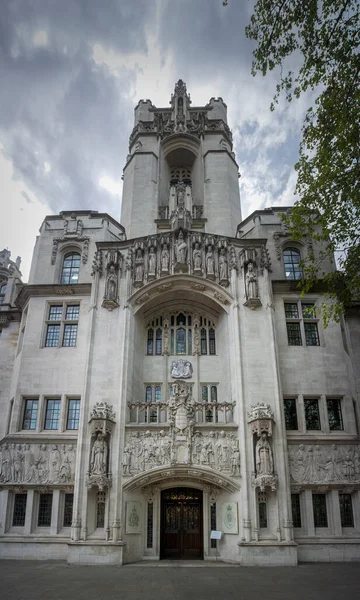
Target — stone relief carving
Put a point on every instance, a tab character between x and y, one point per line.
322	464
37	463
261	419
102	410
144	451
181	369
72	230
139	267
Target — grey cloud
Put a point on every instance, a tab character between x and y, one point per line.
65	120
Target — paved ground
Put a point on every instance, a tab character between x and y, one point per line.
28	580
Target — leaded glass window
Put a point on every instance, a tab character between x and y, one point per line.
319	508
291	310
294	334
30	414
45	508
291	263
150	342
346	510
311	334
158	342
334	414
52	336
295	508
19	510
312	414
262	503
180	341
73	414
150	525
68	509
291	422
100	509
70	335
181	335
70	270
52	414
213	521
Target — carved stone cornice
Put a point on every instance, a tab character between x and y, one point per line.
36	290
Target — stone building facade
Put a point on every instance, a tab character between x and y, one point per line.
163	378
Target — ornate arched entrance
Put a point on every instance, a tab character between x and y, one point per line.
181	528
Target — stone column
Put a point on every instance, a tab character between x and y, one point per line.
309	513
55	516
29	515
335	512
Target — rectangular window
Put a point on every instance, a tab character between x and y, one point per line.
100	509
213	521
73	414
52	336
295	508
150	525
62	325
319	508
30	414
45	508
19	510
68	509
311	334
291	421
294	334
52	414
291	310
70	335
55	312
334	414
262	509
312	414
346	510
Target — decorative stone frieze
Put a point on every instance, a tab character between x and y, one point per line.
324	464
181	369
261	419
41	463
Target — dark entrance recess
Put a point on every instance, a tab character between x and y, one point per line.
181	524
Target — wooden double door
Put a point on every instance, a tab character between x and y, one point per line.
181	524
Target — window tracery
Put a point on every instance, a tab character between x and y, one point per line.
183	338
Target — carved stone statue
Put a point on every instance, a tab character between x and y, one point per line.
264	458
165	259
223	265
251	282
181	249
98	461
126	460
152	261
111	284
210	263
197	259
139	266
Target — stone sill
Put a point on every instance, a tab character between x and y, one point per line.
31	539
267	543
326	540
96	543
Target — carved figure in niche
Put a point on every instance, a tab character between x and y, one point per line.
348	464
251	282
152	261
264	458
65	469
223	265
204	457
197	257
18	464
181	249
55	463
126	460
98	461
210	263
111	284
139	266
6	463
165	257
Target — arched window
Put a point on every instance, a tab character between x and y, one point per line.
150	342
70	270
158	343
292	259
2	293
181	338
213	393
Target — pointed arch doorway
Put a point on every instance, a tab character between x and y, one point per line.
181	535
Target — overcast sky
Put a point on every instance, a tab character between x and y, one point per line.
71	72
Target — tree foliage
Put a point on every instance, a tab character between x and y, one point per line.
322	39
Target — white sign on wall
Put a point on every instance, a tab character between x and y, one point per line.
229	517
133	517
